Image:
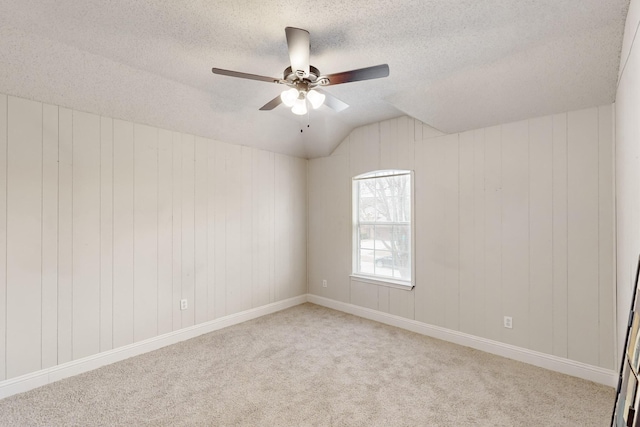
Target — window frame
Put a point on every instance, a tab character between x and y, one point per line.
355	224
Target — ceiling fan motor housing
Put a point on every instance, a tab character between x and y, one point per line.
312	79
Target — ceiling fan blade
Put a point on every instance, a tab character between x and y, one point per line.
333	102
375	72
271	104
298	42
244	75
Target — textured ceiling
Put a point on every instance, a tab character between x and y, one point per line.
455	64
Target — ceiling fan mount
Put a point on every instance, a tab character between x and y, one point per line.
306	79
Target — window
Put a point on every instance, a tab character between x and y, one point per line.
382	226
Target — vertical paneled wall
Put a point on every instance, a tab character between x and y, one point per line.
628	168
24	236
512	220
105	225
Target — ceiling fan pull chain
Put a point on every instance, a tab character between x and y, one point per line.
301	130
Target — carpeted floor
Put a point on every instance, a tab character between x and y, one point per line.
312	366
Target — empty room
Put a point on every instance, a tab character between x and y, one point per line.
280	213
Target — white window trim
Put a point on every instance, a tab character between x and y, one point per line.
381	280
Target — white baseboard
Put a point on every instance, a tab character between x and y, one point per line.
56	373
553	363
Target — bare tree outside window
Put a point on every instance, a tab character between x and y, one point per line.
383	224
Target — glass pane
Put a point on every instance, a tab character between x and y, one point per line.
367	209
402	267
399	185
366	236
395	210
382	209
388	186
393	249
401	238
367	187
393	201
402	184
366	263
384	263
406	209
384	234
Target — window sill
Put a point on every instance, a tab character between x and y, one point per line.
391	283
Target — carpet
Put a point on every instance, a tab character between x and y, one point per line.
313	366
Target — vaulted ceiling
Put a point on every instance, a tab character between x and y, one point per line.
454	64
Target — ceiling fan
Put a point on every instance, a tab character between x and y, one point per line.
305	80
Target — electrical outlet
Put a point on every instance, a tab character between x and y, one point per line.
183	304
508	322
324	283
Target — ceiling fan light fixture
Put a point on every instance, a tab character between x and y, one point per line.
300	106
289	97
315	98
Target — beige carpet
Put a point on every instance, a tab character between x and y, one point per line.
311	366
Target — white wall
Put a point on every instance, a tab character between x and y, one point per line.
628	168
513	220
106	224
